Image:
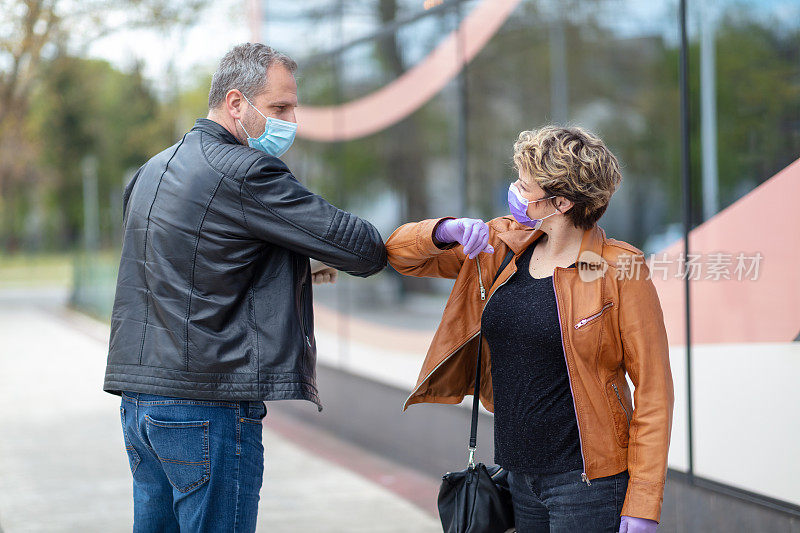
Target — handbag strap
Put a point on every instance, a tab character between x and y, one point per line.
473	431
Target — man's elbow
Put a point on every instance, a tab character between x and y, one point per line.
370	267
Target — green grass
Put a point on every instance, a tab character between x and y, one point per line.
34	270
46	269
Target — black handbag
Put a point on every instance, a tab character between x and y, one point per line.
477	499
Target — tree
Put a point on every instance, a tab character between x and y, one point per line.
86	108
35	31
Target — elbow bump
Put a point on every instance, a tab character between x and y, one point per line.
370	268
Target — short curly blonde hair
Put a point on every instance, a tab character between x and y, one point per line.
573	163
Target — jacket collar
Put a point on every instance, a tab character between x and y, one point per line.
518	239
215	129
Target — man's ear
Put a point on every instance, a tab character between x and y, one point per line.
234	103
564	205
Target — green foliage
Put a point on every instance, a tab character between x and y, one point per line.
32	33
758	87
87	108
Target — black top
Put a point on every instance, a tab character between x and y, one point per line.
535	429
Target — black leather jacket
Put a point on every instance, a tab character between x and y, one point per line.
213	294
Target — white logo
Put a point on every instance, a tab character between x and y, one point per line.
591	266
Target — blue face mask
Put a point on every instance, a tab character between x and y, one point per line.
278	134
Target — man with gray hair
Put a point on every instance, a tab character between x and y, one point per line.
213	311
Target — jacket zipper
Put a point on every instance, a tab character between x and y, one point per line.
302	314
627	416
480	282
483	297
588	318
584	477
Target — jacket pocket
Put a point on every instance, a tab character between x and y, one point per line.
594	316
620	413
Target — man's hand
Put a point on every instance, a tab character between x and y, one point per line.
322	273
326	275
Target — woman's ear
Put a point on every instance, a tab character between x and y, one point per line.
563	204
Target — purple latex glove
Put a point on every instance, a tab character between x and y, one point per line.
472	233
631	524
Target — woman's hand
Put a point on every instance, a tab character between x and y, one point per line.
631	524
472	233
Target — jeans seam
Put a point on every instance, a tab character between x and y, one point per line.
172	425
128	444
200	403
238	486
179	462
145	444
239	420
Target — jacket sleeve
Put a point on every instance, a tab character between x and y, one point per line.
412	251
126	196
278	209
646	359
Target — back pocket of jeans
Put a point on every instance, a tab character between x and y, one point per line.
182	448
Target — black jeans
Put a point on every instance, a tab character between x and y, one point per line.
562	503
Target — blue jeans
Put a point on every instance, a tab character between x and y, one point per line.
562	503
197	465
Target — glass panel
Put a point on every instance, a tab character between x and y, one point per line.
744	303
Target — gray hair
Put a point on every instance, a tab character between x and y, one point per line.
245	68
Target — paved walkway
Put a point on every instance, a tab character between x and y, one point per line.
62	462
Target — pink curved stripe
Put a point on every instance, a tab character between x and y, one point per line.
395	101
765	309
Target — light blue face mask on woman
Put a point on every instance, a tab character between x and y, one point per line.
278	134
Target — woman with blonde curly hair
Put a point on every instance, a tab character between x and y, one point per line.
569	313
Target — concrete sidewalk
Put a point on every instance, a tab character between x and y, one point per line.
63	465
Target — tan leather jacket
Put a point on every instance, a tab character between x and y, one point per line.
608	325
